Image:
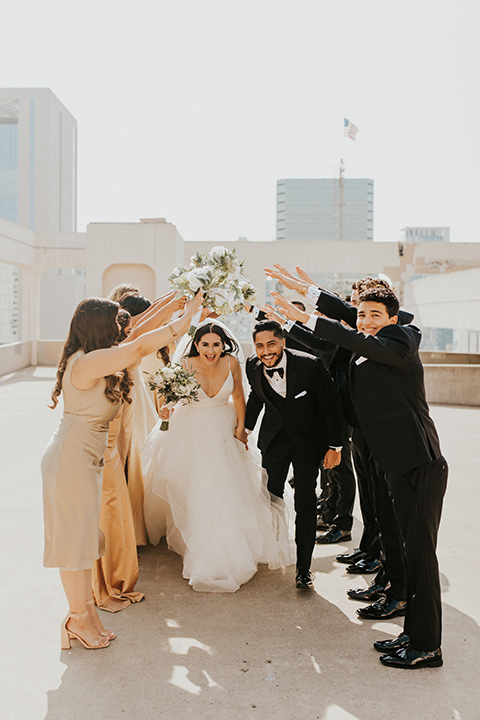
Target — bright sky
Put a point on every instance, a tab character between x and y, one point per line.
192	109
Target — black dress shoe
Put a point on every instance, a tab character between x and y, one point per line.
390	646
365	566
334	535
408	657
303	579
351	557
322	524
373	592
383	609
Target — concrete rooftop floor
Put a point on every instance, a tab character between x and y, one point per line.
267	651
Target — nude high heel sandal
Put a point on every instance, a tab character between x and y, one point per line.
67	634
109	634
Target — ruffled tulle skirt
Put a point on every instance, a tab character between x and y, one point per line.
208	495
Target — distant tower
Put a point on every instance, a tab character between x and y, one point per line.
340	203
325	209
38	160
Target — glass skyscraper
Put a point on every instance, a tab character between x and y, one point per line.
9	160
38	160
325	209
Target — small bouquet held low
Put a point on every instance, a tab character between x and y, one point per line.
175	384
220	275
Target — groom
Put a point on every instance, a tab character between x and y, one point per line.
302	426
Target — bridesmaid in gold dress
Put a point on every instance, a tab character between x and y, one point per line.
115	574
145	316
92	376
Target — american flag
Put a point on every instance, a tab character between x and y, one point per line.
349	129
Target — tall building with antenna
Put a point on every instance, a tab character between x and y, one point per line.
325	209
38	160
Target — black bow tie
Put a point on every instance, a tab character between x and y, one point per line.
270	373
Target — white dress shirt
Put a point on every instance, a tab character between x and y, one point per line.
276	382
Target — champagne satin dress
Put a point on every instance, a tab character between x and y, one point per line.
142	419
115	574
72	466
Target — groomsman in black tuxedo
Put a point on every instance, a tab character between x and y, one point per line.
302	426
388	395
381	538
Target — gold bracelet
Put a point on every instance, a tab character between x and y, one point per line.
174	334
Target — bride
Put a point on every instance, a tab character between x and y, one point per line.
216	510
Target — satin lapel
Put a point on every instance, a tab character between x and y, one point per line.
291	375
258	375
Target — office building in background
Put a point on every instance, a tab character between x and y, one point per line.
426	234
325	209
38	161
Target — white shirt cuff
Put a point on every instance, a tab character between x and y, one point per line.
314	292
337	448
288	325
311	322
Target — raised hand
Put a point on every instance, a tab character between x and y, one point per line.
194	305
175	304
304	276
286	278
273	314
278	272
289	309
207	313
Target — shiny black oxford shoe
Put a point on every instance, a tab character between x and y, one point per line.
390	646
334	535
408	657
370	594
383	609
365	566
303	579
351	557
322	524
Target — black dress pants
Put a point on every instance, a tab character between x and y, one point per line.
276	461
370	541
418	498
340	491
393	574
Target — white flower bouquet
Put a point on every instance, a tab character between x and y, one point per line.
220	275
175	384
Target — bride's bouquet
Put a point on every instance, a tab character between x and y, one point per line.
174	384
220	275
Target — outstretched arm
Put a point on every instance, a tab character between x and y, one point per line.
99	363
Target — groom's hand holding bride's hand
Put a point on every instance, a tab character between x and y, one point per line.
241	435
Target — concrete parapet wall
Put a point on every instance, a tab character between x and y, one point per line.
49	351
14	356
449	358
453	384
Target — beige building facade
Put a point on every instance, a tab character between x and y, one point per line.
439	282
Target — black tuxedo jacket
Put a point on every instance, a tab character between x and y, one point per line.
388	394
310	414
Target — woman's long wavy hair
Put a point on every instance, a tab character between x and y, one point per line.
93	327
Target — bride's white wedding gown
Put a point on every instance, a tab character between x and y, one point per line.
216	511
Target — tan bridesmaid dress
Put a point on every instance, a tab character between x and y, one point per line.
72	467
115	574
143	418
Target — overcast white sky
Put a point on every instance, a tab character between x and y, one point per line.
192	109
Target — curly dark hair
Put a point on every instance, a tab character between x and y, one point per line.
384	296
93	327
